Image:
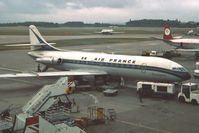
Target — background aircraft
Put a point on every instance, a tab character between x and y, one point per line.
192	33
109	32
189	45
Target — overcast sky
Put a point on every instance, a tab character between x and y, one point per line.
91	11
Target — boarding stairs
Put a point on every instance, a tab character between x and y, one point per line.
46	97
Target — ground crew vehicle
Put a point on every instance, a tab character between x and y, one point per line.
110	92
164	54
189	93
153	88
196	71
155	53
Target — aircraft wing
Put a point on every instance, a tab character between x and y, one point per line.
156	38
177	37
22	45
118	32
187	50
52	74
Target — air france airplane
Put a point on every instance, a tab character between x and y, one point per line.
71	63
187	45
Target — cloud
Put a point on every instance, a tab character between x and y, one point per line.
98	14
97	11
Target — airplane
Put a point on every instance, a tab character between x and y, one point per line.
186	45
108	32
192	32
74	63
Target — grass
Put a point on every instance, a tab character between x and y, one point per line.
99	41
23	30
76	42
57	31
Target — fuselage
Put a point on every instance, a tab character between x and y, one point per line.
134	67
107	31
184	43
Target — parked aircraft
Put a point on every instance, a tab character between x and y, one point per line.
192	33
181	44
73	63
109	32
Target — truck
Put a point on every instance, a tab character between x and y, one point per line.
156	88
189	93
155	53
164	54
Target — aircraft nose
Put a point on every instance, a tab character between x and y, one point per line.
186	76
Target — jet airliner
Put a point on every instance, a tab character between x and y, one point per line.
187	45
71	63
109	32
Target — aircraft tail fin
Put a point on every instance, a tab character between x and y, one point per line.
167	33
37	42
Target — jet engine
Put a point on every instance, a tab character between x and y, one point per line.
49	60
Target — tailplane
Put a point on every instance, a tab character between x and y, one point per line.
35	36
167	33
37	42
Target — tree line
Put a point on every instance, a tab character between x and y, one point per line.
51	24
131	23
160	23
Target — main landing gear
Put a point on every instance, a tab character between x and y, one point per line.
39	68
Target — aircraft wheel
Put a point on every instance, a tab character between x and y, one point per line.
181	99
45	69
194	102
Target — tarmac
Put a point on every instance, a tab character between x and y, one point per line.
153	115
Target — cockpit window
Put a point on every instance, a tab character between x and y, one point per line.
180	69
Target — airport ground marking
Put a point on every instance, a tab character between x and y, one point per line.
94	97
137	125
143	126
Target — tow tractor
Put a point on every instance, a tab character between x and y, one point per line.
189	93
